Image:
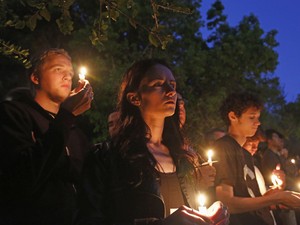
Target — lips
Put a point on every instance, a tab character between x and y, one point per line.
170	102
66	86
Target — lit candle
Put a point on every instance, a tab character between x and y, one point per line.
209	157
82	73
276	181
293	161
202	207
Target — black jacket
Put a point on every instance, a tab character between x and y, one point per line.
115	193
40	162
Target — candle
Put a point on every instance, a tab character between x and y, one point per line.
209	157
202	207
276	181
82	73
293	161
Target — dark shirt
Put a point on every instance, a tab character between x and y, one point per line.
40	162
120	191
235	168
170	191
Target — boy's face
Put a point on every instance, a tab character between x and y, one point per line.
55	80
247	123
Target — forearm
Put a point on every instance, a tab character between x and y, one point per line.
240	204
243	204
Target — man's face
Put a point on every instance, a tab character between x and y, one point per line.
55	81
248	122
112	121
276	141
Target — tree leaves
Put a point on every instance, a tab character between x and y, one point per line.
15	52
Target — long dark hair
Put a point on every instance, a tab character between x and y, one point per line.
133	133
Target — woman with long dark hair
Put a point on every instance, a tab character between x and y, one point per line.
145	174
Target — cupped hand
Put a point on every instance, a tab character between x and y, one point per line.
218	213
80	98
186	216
281	175
290	199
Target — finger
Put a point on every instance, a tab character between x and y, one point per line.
195	216
83	85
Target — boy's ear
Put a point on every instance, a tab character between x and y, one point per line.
133	98
232	117
34	79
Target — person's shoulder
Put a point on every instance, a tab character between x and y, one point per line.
268	153
11	106
225	141
101	147
100	150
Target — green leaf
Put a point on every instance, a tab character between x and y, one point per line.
31	22
114	14
132	22
20	24
45	14
153	40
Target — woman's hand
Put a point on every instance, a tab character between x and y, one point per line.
186	216
208	174
217	214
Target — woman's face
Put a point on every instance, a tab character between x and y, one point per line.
157	92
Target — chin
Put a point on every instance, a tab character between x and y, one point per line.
169	113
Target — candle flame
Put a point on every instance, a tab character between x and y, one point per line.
293	161
201	199
276	181
82	73
209	156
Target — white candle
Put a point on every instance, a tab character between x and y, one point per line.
209	156
293	161
82	73
276	181
202	207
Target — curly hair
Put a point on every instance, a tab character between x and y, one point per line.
239	103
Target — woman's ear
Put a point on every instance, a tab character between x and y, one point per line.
133	98
34	79
232	117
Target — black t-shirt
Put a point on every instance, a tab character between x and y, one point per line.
235	167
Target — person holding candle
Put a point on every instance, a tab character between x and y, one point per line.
271	156
236	181
272	162
41	149
146	174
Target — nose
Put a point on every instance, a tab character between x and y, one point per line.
258	122
170	89
67	76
